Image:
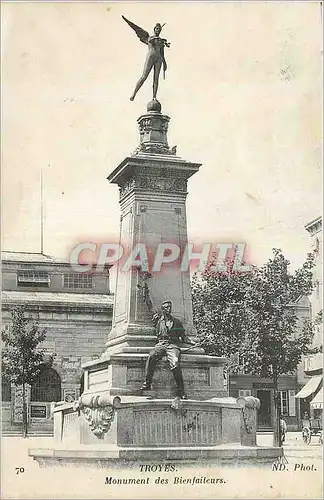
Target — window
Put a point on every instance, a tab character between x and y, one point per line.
47	386
284	407
245	392
29	276
78	280
292	402
6	391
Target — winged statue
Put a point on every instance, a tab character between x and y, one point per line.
155	57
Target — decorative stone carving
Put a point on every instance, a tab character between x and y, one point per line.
99	411
156	148
248	420
176	184
164	126
157	170
153	128
99	419
154	183
249	405
147	183
177	406
144	125
127	187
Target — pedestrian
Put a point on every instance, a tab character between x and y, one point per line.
283	429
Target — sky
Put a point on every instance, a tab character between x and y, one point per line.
243	90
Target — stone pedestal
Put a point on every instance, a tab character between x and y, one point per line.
123	373
117	430
153	190
113	420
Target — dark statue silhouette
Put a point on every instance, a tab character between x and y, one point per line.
155	57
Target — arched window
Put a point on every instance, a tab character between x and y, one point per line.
6	391
47	386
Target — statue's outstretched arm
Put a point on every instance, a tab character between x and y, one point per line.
166	43
140	32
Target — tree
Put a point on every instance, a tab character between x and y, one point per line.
253	315
21	356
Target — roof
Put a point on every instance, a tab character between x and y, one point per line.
26	257
89	299
38	258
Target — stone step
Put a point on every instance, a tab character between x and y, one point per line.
264	430
17	431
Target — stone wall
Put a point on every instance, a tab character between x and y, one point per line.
74	335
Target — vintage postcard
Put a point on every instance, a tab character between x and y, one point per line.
161	250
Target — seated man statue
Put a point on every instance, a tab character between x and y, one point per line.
170	333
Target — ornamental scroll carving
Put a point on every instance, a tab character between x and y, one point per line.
149	123
99	419
178	184
99	411
249	405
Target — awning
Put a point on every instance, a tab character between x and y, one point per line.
317	402
310	387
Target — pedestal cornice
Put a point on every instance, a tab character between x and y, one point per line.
132	164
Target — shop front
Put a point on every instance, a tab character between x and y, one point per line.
311	397
264	390
317	405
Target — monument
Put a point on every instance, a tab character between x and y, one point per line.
183	412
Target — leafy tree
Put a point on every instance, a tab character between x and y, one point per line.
21	356
253	316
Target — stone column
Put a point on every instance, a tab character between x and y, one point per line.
153	190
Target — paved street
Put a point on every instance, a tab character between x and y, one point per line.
295	449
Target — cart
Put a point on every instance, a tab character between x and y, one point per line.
312	427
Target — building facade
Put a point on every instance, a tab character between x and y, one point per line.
263	389
303	391
76	311
310	395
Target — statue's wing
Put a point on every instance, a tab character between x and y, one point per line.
142	34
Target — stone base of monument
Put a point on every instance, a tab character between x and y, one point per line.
113	422
116	457
114	429
123	373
